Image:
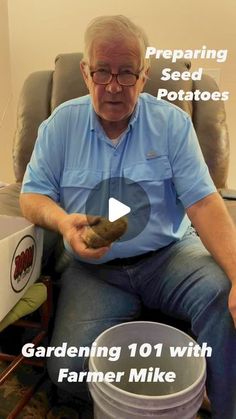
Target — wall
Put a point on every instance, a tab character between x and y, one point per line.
6	111
40	29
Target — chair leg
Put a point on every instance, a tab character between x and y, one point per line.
46	308
26	397
19	359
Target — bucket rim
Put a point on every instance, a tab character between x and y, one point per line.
200	379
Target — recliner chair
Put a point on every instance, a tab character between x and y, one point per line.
43	91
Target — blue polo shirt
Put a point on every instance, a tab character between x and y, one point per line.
159	150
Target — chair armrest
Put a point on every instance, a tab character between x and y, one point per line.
228	193
9	200
229	196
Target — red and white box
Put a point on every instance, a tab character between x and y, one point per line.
21	247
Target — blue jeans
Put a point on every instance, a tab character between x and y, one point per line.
182	280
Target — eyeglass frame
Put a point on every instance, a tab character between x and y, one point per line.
137	75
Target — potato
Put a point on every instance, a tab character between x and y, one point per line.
104	232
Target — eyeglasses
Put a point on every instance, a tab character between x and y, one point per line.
125	78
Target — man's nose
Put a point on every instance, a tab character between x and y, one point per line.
113	86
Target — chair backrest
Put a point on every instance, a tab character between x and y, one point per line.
43	91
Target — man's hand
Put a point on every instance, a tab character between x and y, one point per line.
71	226
43	211
232	303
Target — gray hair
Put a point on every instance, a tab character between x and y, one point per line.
111	28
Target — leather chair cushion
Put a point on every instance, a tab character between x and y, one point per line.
33	108
68	81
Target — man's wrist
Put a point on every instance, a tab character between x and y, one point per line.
61	222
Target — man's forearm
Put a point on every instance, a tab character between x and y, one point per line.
42	210
217	231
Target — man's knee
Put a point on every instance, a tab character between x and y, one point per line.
212	301
217	283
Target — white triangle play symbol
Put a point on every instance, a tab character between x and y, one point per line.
116	209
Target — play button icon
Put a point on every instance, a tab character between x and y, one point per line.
117	209
116	197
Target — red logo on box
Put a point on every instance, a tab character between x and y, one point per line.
23	263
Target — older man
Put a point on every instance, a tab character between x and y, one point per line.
118	131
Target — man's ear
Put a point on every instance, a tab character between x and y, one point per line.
83	69
145	77
147	71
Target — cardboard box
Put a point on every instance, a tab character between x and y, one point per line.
21	246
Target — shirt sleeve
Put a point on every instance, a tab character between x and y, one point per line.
43	172
190	172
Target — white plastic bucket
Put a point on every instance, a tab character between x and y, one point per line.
179	399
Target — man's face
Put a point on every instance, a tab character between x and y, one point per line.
113	102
